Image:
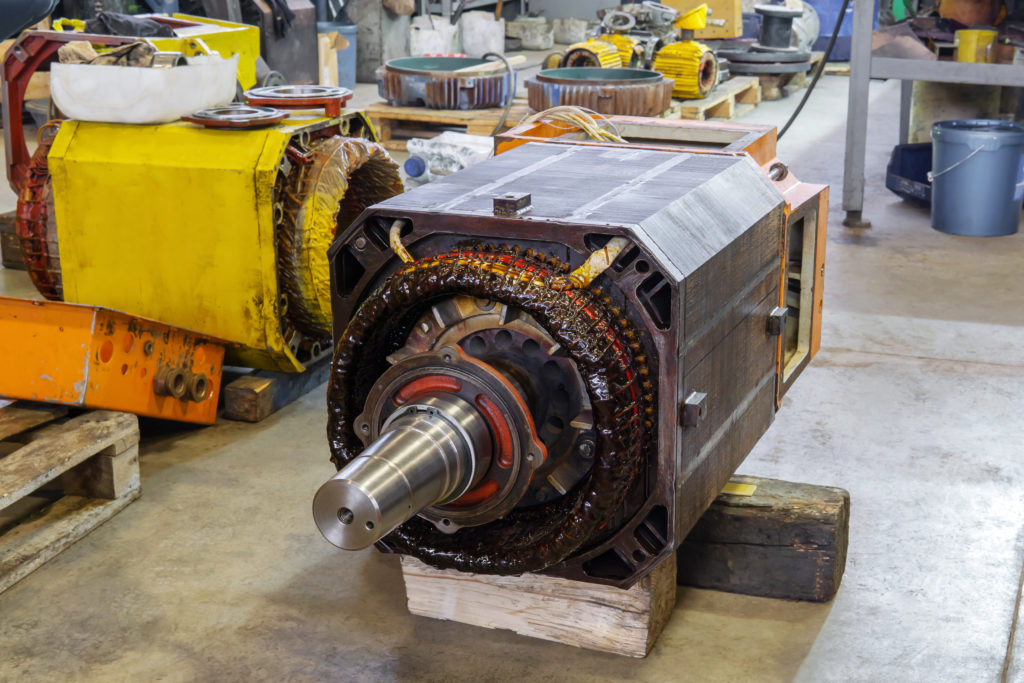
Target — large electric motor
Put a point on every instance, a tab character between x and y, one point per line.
224	232
545	364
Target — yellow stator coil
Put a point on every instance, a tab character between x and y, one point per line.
593	52
221	232
629	48
691	64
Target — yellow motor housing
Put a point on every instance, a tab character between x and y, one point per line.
629	48
691	64
593	52
223	232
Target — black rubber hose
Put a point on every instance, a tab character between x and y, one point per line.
821	69
511	93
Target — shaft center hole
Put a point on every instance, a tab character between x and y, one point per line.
345	516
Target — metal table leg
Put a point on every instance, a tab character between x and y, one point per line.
857	115
906	95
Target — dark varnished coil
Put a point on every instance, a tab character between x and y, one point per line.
528	539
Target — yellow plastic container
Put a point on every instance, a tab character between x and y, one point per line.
974	45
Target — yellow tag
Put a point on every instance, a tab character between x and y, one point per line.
734	489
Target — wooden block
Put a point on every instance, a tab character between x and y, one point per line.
22	416
750	95
586	615
58	448
10	245
104	476
722	110
785	541
253	397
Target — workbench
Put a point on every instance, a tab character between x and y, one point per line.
864	67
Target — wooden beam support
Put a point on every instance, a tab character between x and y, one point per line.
783	540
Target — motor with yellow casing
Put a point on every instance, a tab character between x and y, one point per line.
692	65
631	54
593	52
220	231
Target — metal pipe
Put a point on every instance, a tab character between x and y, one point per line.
426	455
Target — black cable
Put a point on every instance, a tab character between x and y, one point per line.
511	93
821	68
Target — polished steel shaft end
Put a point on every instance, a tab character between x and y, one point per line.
425	455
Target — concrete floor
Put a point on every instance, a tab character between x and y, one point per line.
913	405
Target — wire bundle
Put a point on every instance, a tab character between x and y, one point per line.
589	121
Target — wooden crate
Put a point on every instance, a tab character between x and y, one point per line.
59	480
587	615
728	100
397	124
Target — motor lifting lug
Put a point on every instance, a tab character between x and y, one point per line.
693	410
777	321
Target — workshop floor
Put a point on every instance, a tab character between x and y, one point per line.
913	405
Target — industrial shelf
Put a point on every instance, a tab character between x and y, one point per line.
864	67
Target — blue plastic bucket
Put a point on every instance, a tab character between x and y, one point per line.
346	57
977	177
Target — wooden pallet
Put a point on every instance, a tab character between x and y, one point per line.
59	480
397	124
254	397
728	100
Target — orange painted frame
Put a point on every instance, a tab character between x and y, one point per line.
94	357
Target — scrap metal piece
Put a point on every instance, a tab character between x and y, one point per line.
749	54
631	92
331	97
438	83
166	60
236	116
769	68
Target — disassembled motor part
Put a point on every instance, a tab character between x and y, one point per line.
237	116
635	92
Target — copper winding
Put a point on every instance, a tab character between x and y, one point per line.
366	176
605	350
34	218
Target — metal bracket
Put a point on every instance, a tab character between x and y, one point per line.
777	320
693	410
512	204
